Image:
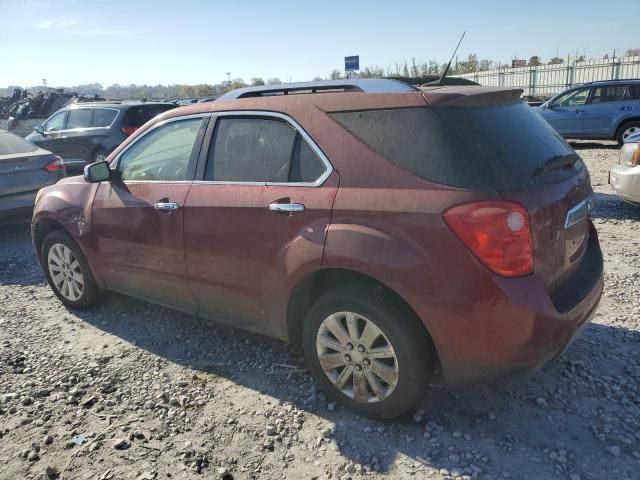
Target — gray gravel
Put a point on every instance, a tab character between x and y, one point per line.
131	390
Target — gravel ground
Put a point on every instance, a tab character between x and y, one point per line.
135	391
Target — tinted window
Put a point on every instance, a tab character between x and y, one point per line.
306	166
139	115
79	118
609	93
633	91
251	150
416	140
103	117
510	142
161	154
56	122
10	143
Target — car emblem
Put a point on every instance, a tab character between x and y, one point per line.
580	211
17	167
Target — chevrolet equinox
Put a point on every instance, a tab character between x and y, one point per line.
392	231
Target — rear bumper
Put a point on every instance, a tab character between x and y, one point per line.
521	327
625	182
17	205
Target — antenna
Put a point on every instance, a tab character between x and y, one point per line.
440	81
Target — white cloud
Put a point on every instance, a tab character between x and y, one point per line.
59	23
78	26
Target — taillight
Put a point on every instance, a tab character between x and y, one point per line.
128	130
55	165
498	233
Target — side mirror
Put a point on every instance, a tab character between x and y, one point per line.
549	106
40	129
97	172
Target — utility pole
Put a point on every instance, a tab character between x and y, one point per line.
229	78
44	82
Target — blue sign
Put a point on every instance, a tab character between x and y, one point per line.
352	63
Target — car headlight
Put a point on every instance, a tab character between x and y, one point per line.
630	154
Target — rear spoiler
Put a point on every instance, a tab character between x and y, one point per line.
471	96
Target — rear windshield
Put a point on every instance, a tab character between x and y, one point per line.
141	114
513	142
500	146
10	143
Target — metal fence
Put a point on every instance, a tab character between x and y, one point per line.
547	80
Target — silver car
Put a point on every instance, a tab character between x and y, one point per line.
625	177
24	169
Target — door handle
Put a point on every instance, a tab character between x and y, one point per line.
579	111
626	107
286	207
166	206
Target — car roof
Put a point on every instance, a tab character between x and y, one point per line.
116	105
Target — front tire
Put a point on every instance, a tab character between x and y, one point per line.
367	351
67	271
627	129
100	155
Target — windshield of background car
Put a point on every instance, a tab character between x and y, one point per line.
139	115
10	143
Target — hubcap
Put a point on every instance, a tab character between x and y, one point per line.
101	157
357	357
630	131
65	272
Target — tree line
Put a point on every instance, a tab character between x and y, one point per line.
410	68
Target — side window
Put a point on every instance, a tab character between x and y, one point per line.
633	92
575	97
162	154
79	118
609	93
251	150
103	117
306	166
55	123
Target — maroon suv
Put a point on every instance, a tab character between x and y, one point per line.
390	230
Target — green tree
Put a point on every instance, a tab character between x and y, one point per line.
274	81
257	81
535	61
556	61
335	74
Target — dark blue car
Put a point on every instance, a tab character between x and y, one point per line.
607	110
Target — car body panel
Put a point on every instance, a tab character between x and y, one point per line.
370	216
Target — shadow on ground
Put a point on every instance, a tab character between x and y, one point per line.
610	206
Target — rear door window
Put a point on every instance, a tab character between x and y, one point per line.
103	117
633	92
79	118
608	93
261	150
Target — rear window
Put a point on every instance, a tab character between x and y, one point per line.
512	142
500	146
103	117
141	114
416	140
10	143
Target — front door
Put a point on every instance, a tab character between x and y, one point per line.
138	220
256	219
566	113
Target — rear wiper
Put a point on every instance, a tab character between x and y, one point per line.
559	161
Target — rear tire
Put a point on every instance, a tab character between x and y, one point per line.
67	272
627	129
100	155
367	351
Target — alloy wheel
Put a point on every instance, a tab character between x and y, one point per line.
357	357
630	131
65	271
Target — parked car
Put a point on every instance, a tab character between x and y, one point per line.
607	110
391	230
88	132
625	177
24	169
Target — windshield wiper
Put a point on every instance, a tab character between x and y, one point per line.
559	161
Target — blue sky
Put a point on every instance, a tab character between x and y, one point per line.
72	42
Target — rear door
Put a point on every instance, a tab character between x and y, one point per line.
256	218
566	113
607	106
138	220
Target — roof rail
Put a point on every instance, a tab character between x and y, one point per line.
370	85
612	80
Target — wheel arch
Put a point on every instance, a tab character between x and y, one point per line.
311	287
623	122
42	228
